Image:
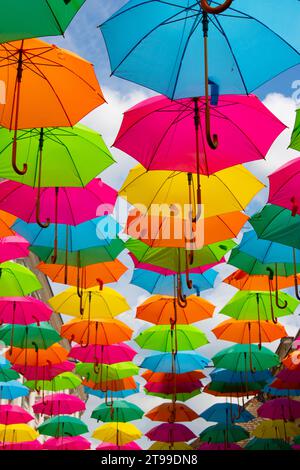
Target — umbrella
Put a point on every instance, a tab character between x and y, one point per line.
12	389
182	397
246	357
106	372
281	392
67	443
284	184
117	433
63	425
173	388
119	411
8	374
168	338
295	135
185	361
222	433
23	310
229	376
244	281
172	412
16	280
23	336
55	354
113	393
59	403
163	310
16	433
44	73
280	408
111	385
233	389
267	444
13	247
13	414
36	18
289	375
249	331
219	446
114	353
276	429
292	360
170	432
63	381
129	446
104	332
170	446
226	413
27	445
6	221
162	377
47	372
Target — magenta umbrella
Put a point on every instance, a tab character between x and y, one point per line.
43	372
296	343
67	443
23	310
285	186
219	446
59	403
13	414
98	354
30	445
170	432
289	375
168	387
129	446
13	247
280	408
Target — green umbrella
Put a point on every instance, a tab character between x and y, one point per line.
8	374
254	267
232	388
295	139
79	151
26	336
245	357
222	433
103	372
267	444
297	440
64	381
120	411
165	338
16	280
179	396
63	425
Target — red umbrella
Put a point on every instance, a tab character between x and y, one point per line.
170	432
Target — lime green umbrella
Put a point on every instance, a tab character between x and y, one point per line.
27	336
8	374
179	396
64	381
63	425
117	371
221	432
118	411
267	444
165	338
31	18
79	151
245	357
16	280
295	139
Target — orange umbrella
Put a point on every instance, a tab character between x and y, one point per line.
171	413
55	354
177	232
86	277
249	331
111	385
292	361
57	86
104	332
162	310
244	281
246	393
159	377
6	221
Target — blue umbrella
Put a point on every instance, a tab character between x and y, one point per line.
230	376
226	413
281	392
185	361
12	389
156	283
116	394
4	363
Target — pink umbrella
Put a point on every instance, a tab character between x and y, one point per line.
280	408
296	446
30	445
23	310
129	446
167	272
43	372
175	133
67	443
170	432
13	414
13	247
168	388
285	186
58	205
59	403
97	354
220	446
296	343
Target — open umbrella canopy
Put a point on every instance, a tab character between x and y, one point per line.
280	408
13	247
59	403
289	375
244	281
249	331
295	139
229	376
113	394
118	411
185	361
95	304
165	338
267	444
284	182
55	354
163	377
63	425
172	412
242	357
170	432
111	385
232	389
8	374
173	388
182	397
23	310
98	354
103	332
12	389
117	433
106	372
170	446
63	381
13	414
16	280
23	336
26	445
47	372
160	310
6	221
221	433
67	443
36	18
16	433
129	446
276	429
226	413
219	446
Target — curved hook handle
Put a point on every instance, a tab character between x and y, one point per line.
37	213
215	10
189	283
212	140
253	370
14	158
271	277
97	368
181	298
100	282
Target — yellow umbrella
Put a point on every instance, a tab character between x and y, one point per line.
227	190
95	304
166	446
117	433
276	429
17	433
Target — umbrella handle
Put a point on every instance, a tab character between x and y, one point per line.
38	197
97	368
14	158
215	10
271	277
253	370
295	275
100	282
189	283
181	298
